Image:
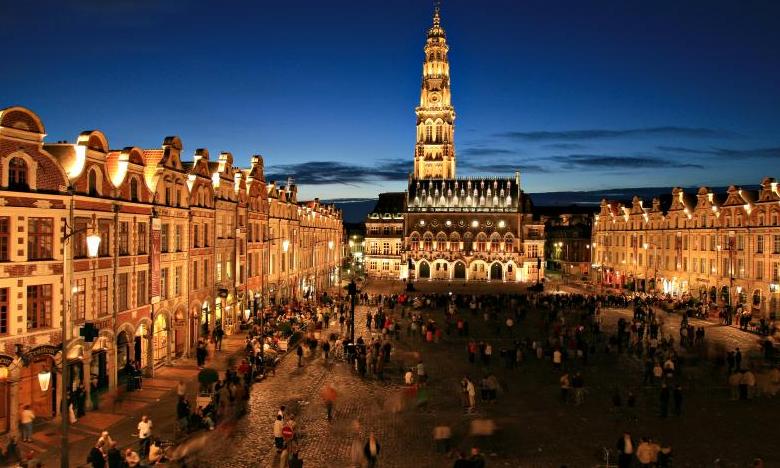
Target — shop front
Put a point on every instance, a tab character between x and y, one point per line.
205	317
160	340
39	393
99	364
141	345
123	357
180	332
5	392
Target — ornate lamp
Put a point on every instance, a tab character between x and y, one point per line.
93	242
44	379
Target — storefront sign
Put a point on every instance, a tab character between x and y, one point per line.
5	361
43	350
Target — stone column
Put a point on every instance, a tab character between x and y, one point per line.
14	377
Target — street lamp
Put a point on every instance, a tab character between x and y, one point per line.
44	378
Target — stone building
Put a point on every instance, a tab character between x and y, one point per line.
567	239
721	248
384	236
470	229
184	247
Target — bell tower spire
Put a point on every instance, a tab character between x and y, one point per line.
434	156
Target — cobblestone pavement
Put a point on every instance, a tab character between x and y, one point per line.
534	428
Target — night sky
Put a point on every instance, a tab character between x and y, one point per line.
577	95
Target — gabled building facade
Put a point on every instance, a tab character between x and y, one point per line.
721	248
184	247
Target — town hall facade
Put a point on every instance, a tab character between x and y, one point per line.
445	227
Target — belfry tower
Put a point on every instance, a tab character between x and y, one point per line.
434	153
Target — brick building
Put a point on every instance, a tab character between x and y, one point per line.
721	248
184	246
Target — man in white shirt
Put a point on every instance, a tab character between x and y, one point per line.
144	435
26	419
557	358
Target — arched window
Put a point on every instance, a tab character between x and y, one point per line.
414	240
92	187
481	242
495	243
134	189
17	174
428	132
438	133
441	241
509	243
428	241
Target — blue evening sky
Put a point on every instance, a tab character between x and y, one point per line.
577	95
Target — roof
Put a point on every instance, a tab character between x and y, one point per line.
470	194
390	202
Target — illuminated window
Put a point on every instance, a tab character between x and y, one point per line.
39	306
40	238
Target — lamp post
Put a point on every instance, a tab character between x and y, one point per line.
44	378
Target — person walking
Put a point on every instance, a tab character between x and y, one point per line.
664	400
114	456
94	394
144	436
219	333
371	450
471	392
200	353
278	434
329	395
26	419
625	447
326	349
96	457
579	389
299	352
565	386
678	400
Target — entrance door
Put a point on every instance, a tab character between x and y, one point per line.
495	272
460	271
122	356
425	270
99	369
160	340
43	403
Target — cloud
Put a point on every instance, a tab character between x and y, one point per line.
613	162
564	146
477	151
501	168
726	152
335	172
599	134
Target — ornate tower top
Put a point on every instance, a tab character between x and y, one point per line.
434	156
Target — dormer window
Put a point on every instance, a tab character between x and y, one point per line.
17	174
134	190
92	187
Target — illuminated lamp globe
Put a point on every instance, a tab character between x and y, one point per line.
93	244
44	379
